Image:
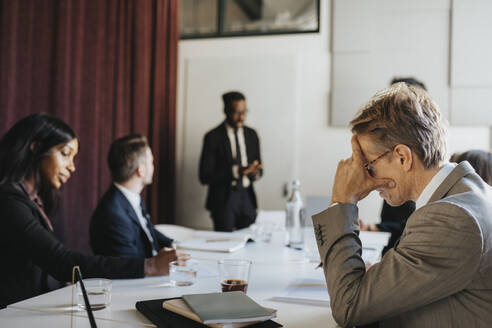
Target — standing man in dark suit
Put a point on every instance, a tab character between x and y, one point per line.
229	164
121	225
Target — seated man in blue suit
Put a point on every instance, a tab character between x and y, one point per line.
121	225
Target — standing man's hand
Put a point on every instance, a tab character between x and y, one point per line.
352	182
253	169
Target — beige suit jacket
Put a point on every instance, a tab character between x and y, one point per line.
438	275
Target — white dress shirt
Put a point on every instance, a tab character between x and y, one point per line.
135	200
242	149
434	184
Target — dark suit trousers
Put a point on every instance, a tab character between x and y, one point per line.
239	212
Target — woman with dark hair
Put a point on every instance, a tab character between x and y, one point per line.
480	160
37	158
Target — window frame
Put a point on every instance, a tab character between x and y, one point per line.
221	7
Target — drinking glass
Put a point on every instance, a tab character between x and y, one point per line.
234	274
183	273
98	292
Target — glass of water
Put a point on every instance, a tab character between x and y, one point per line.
98	291
183	273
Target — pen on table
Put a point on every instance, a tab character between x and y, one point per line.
86	298
294	247
216	240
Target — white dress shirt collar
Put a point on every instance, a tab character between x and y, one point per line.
228	126
135	200
132	197
432	186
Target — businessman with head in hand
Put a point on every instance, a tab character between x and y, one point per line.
121	225
394	218
229	164
439	274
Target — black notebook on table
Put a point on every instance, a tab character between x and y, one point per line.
162	318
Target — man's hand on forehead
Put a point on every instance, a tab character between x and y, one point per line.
352	182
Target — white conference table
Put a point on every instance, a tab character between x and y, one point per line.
274	267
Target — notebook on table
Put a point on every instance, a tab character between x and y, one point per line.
179	306
230	307
163	318
222	245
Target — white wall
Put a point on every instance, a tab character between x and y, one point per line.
471	64
317	146
374	41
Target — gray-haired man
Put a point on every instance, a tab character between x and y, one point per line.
440	272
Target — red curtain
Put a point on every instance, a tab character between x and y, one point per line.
106	67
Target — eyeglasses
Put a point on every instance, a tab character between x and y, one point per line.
369	165
239	113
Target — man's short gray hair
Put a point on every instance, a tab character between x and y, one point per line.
404	114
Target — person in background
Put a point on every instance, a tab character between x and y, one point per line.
439	274
229	164
394	218
479	159
36	159
121	225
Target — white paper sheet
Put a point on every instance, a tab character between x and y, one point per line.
305	291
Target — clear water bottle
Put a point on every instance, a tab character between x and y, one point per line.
295	214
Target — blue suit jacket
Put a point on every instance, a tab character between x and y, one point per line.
116	231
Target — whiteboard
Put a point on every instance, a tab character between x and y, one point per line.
269	84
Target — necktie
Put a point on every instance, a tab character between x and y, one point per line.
238	149
238	157
146	215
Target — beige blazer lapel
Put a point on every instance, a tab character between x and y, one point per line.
459	172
